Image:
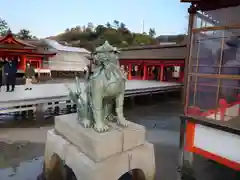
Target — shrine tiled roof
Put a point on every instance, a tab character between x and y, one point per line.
54	44
174	52
38	44
10	37
11	44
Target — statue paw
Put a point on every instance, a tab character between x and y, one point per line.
101	127
123	122
86	123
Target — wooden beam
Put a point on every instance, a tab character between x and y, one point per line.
216	76
188	58
215	28
215	24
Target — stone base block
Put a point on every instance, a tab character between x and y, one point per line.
99	146
112	168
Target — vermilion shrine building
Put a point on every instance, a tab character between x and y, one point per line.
23	51
157	62
48	57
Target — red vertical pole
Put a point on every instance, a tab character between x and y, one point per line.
147	73
24	62
161	72
222	108
39	63
144	72
129	71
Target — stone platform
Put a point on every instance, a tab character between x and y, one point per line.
99	156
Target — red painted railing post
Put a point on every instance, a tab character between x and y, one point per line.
194	111
222	108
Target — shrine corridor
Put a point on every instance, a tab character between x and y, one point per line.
23	147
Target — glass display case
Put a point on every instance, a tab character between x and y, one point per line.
213	76
210	126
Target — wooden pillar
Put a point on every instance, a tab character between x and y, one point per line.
129	71
161	72
144	72
39	66
187	61
181	79
24	62
182	156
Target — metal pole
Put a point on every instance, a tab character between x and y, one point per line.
181	148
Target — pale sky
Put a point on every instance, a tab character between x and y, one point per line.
50	17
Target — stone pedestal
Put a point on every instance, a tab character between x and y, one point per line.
99	156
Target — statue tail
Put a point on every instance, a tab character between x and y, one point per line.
72	95
78	87
75	96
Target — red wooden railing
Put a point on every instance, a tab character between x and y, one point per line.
223	106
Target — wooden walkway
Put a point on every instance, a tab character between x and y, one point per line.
48	93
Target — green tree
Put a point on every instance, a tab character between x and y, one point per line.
84	29
112	36
90	27
117	34
3	27
78	28
142	39
152	32
24	34
67	30
99	30
122	25
35	37
108	25
116	24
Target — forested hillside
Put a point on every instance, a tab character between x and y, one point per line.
90	36
116	33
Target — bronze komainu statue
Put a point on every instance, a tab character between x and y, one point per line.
104	89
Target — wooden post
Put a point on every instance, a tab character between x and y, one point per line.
39	66
24	62
181	72
161	72
182	155
186	80
144	72
130	71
